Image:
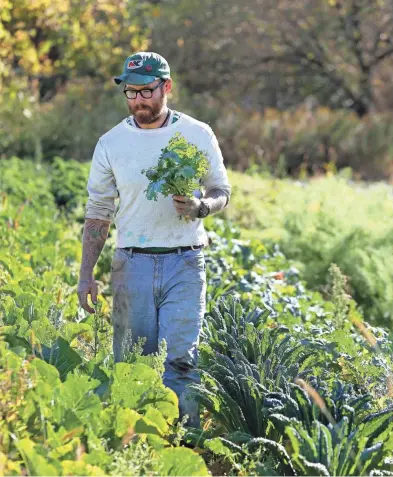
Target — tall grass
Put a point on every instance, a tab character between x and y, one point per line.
323	221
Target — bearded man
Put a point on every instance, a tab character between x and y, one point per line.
158	270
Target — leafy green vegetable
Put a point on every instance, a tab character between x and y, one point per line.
263	328
181	461
179	169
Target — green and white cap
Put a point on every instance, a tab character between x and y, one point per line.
143	68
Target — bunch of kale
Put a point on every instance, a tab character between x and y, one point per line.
180	167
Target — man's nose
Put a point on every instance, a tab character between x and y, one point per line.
139	99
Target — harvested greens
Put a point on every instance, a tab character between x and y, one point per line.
179	169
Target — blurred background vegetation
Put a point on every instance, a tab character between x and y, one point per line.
291	87
294	89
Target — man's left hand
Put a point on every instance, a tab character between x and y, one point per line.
186	207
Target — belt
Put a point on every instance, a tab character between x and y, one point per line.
145	250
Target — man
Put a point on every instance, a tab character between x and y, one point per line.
158	268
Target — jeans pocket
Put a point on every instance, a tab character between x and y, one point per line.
195	259
118	261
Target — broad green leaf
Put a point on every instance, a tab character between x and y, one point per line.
62	356
72	467
156	441
181	461
155	416
146	426
46	378
188	172
72	330
34	457
164	400
140	387
75	401
131	384
107	419
69	449
17	341
97	455
45	372
44	331
125	421
217	446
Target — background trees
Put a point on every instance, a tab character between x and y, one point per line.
47	43
281	51
326	65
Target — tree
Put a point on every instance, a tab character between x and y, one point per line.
47	40
341	42
278	52
45	43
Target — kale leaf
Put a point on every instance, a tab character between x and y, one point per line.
180	167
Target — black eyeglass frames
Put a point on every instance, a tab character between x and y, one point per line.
146	93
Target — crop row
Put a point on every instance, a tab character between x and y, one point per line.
292	383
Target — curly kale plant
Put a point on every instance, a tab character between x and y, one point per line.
179	169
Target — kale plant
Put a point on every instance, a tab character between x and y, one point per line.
179	169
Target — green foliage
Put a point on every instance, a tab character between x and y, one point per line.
68	183
301	143
60	183
136	459
154	360
43	413
320	222
68	126
37	63
337	450
180	167
339	297
273	350
140	458
140	386
36	191
35	55
279	363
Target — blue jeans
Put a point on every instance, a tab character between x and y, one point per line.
161	296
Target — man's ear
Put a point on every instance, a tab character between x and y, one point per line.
168	85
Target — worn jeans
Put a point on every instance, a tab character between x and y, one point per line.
161	296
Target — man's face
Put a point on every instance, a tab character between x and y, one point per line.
147	111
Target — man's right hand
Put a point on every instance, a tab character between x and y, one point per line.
87	287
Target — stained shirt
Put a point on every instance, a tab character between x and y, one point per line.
116	185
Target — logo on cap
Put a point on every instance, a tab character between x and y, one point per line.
133	64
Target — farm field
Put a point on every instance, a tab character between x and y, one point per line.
324	221
295	355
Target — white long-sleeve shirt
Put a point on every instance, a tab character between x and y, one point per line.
116	185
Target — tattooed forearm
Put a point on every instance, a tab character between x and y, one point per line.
216	199
95	234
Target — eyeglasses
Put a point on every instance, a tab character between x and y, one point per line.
146	93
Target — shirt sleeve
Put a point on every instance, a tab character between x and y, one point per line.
101	187
216	177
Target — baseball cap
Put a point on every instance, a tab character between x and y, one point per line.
143	68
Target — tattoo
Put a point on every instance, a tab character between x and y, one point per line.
217	199
95	234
